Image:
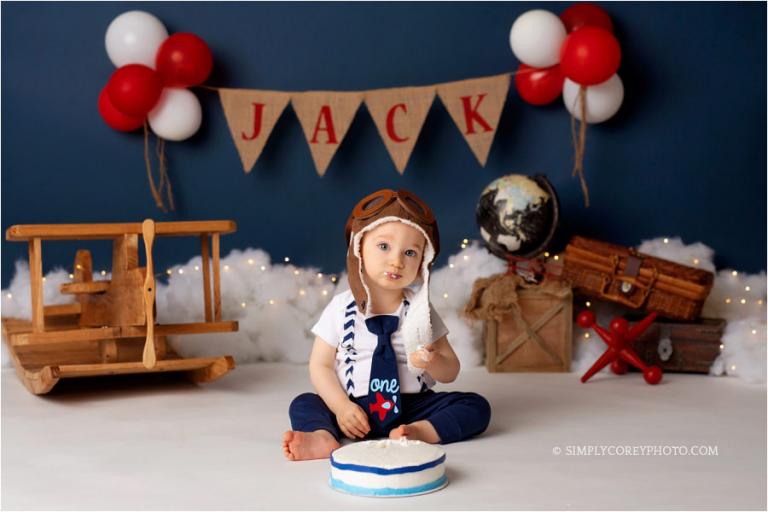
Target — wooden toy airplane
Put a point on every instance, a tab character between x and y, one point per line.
110	329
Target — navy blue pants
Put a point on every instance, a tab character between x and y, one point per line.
456	416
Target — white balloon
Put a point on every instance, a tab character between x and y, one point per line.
603	100
536	37
134	38
177	115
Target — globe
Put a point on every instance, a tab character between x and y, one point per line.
517	215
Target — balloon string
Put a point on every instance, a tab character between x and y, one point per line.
159	154
165	180
155	194
579	143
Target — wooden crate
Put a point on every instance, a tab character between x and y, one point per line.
681	347
539	339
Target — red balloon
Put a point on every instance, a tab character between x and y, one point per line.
183	60
134	89
116	119
539	86
585	14
590	55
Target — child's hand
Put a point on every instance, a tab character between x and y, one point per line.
423	357
353	421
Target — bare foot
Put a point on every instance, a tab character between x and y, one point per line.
308	445
419	430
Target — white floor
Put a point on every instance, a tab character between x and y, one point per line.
166	444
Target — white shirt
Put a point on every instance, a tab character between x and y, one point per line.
343	327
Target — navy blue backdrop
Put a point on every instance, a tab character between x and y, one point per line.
686	154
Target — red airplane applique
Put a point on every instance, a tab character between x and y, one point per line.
381	406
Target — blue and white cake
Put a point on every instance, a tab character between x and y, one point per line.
388	468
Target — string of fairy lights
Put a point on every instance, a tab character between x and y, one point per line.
742	300
465	259
250	262
463	245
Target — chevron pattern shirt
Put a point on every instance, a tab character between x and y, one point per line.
342	326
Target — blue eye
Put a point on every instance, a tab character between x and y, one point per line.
411	253
383	246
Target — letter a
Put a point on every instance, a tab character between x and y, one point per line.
328	111
325	117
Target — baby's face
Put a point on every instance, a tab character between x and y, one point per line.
392	254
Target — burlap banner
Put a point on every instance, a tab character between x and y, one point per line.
251	115
325	118
399	115
475	106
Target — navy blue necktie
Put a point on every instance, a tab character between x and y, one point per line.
384	386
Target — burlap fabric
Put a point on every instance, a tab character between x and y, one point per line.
496	296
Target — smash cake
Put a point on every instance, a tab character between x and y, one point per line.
388	468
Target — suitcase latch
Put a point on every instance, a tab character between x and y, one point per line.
628	289
665	344
631	270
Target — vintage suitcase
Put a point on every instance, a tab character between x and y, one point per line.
538	338
681	347
639	281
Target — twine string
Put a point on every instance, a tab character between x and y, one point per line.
511	73
159	154
165	180
152	187
579	140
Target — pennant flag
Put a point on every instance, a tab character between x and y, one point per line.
251	115
399	115
475	106
325	118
